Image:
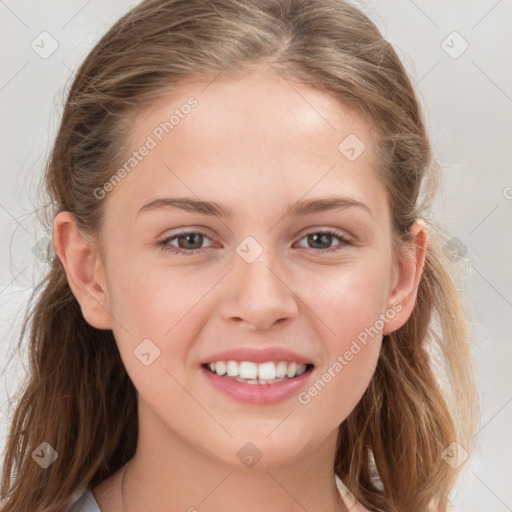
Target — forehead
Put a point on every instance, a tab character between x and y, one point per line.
260	106
254	137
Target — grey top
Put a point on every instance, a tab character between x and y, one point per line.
85	501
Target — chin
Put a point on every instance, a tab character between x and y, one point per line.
263	451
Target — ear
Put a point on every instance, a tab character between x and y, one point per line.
84	270
407	276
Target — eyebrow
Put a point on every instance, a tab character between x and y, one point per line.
301	208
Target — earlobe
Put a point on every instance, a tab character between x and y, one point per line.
84	270
409	271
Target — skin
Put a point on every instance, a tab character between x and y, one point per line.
254	144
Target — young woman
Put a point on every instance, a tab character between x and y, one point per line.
247	308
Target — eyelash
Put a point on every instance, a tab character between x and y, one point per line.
164	244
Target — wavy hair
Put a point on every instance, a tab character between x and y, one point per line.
78	396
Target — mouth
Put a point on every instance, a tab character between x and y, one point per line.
250	372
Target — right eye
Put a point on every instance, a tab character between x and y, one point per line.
193	238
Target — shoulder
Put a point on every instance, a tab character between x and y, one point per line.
84	502
352	504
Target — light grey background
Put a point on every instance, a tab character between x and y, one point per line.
468	101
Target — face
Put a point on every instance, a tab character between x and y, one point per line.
276	272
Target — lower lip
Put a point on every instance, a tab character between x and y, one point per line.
261	394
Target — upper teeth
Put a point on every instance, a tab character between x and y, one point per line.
264	371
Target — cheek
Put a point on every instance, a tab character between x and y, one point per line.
352	307
339	386
351	298
351	353
154	314
152	302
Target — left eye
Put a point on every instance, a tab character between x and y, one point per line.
326	237
190	243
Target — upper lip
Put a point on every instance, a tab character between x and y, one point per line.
257	355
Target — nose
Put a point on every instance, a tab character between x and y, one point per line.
260	295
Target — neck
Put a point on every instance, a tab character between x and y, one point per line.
171	475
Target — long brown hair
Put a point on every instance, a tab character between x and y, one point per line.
78	397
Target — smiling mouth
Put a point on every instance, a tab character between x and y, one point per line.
249	372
